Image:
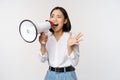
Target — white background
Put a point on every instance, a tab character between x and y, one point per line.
98	20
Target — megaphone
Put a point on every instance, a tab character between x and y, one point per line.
29	30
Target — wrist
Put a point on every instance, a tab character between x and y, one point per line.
43	45
69	49
43	49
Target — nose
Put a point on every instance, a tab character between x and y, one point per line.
53	19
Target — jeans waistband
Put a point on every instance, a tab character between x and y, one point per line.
62	69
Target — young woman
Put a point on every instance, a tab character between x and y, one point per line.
60	48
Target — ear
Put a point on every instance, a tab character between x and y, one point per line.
65	21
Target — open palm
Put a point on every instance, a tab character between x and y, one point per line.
74	40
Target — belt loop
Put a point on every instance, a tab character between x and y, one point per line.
50	68
55	69
64	69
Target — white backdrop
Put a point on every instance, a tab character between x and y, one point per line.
98	20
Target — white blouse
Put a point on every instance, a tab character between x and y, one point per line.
57	52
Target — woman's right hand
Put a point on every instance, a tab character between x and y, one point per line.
43	38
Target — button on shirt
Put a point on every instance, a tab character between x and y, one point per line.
57	52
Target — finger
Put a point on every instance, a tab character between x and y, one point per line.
79	35
43	42
79	40
42	33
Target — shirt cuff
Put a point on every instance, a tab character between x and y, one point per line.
43	58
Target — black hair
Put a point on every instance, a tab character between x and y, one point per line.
67	26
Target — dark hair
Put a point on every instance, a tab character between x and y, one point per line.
67	26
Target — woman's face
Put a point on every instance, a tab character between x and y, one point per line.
58	20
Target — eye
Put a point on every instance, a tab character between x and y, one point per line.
51	16
59	16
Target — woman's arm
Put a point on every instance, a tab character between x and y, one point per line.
74	55
43	39
73	48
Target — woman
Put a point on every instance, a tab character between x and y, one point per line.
60	48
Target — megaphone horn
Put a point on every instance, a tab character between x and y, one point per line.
29	30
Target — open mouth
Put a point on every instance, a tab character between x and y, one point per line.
55	24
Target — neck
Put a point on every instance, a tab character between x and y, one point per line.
58	35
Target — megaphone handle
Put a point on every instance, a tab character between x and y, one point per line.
46	32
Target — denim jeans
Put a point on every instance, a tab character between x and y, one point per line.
51	75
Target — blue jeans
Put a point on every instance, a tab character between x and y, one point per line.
51	75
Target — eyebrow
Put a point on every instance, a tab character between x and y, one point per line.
57	15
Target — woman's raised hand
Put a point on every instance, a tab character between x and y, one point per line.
74	40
